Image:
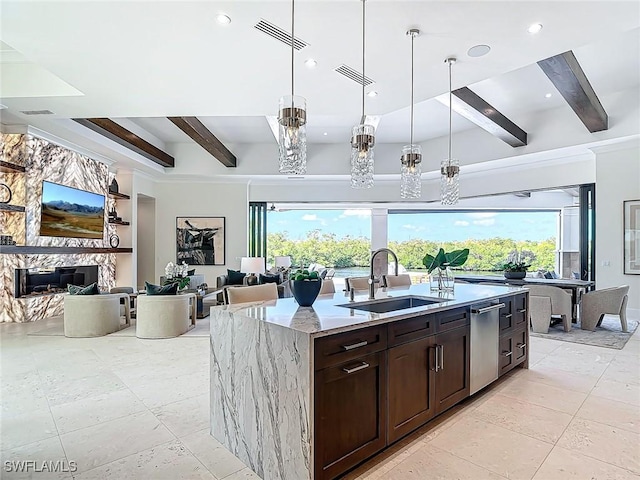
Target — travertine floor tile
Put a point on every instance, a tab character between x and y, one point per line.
523	417
185	416
610	412
28	428
91	411
435	464
555	398
556	377
608	444
495	448
622	392
49	451
109	441
563	464
217	459
170	461
623	369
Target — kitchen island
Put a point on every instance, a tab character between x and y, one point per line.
309	392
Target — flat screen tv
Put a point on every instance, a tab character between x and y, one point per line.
69	212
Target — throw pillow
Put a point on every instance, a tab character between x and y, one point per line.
80	290
234	277
191	272
171	289
548	275
270	278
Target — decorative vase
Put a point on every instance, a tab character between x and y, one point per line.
306	291
441	280
515	275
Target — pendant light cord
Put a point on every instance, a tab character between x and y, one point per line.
363	57
450	107
411	141
293	10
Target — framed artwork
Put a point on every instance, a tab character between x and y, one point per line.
632	237
200	240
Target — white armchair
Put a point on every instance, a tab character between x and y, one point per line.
596	304
94	315
165	316
545	302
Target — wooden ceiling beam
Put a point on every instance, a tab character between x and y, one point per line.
567	75
473	107
207	140
113	131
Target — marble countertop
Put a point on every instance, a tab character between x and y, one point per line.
327	317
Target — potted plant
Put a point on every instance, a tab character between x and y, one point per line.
439	267
515	270
305	286
177	274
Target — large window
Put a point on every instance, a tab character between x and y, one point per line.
490	236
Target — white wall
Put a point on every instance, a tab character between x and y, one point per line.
617	180
201	200
146	248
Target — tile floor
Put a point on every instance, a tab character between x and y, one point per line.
124	408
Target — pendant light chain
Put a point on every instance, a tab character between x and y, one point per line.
412	39
363	55
450	108
293	11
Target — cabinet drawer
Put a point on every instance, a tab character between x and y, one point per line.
506	356
410	329
520	346
519	310
451	319
343	347
506	315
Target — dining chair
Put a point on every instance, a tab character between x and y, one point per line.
327	287
546	302
402	280
356	283
253	293
595	305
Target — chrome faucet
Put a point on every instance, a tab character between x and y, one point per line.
372	280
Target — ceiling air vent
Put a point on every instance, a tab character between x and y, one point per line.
353	74
280	34
36	112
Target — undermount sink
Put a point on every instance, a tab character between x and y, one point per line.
392	304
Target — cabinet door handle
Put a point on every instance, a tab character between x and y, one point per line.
521	345
506	354
508	315
441	357
522	310
356	369
435	355
355	345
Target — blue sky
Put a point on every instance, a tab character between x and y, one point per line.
53	191
439	227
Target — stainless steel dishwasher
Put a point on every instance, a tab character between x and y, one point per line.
484	344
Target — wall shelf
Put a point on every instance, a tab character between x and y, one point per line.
123	196
118	223
26	250
11	167
11	208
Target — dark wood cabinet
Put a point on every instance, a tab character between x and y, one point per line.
506	354
520	346
404	331
453	368
519	311
411	386
513	350
350	403
506	315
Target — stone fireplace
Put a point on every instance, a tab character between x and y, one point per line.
32	282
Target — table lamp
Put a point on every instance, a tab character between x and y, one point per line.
252	266
283	261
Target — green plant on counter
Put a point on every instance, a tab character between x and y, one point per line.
442	260
305	275
515	266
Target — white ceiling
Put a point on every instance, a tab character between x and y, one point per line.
145	61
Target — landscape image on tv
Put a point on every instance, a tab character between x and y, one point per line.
69	212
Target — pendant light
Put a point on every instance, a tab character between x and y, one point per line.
450	167
362	136
292	119
411	159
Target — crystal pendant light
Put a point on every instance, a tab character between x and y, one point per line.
292	119
450	167
362	137
411	160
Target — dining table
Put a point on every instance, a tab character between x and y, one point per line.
575	286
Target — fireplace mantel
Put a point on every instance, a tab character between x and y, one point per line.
38	250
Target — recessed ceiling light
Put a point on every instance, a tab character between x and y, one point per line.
2	107
373	93
310	63
325	134
534	28
223	19
547	95
478	50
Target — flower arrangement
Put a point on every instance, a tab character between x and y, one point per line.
442	260
176	274
515	262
